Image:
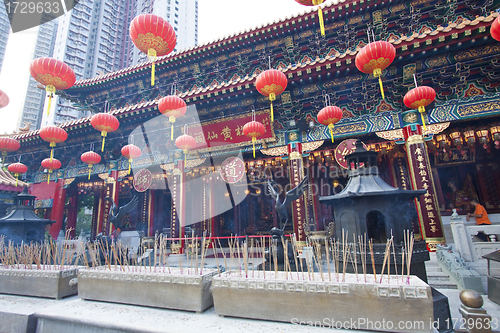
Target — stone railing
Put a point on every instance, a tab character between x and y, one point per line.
471	247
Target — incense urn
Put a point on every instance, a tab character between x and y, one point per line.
398	305
144	286
45	282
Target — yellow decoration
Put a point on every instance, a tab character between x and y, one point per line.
272	97
103	134
377	72
330	126
172	120
254	140
421	109
50	89
152	57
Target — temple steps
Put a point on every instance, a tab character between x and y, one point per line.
436	277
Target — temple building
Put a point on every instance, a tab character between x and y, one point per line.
221	188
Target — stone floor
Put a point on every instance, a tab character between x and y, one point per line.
75	315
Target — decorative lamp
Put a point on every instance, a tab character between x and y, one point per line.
17	169
470	137
90	158
154	36
53	74
271	83
457	139
254	129
419	98
329	116
495	134
105	123
442	142
8	145
131	151
54	135
185	142
483	138
320	12
375	57
495	29
4	99
172	107
51	164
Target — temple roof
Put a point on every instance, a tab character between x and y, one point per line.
9	182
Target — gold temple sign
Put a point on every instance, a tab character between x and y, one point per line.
142	180
480	108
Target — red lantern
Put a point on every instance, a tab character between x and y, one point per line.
8	145
419	98
271	83
17	169
254	130
172	107
53	74
54	135
131	151
495	29
104	122
90	158
51	164
375	57
4	99
185	142
154	36
329	116
320	12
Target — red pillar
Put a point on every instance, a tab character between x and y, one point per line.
58	209
72	212
178	223
296	167
421	177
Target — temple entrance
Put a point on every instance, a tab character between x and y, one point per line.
375	225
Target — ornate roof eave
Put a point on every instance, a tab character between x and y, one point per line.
403	45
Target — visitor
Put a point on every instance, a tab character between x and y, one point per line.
479	213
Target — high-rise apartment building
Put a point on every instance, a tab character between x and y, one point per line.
35	97
4	32
93	39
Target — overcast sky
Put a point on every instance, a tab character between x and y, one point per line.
217	19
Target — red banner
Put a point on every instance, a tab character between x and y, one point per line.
228	132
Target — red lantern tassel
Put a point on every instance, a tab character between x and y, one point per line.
50	89
52	144
185	155
152	57
377	72
321	21
17	175
103	134
272	97
172	120
421	109
90	169
48	178
254	140
330	126
129	165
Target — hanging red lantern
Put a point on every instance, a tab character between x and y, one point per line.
254	130
54	135
8	145
329	116
419	98
51	164
271	83
495	29
495	134
104	122
154	36
4	99
17	169
131	151
90	158
374	58
185	142
53	74
172	107
320	11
